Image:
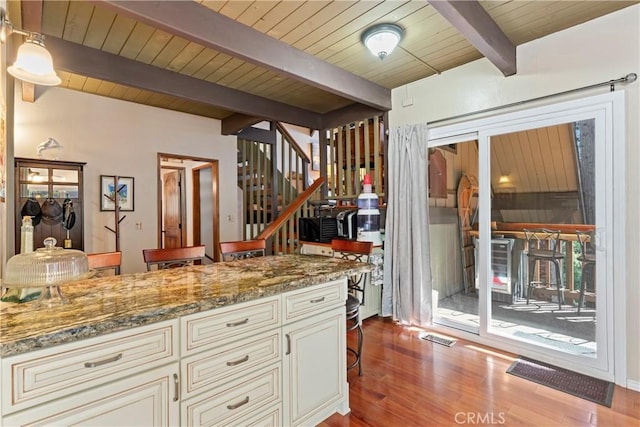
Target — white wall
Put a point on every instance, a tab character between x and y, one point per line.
123	138
600	50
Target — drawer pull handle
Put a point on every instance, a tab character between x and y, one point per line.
313	301
176	388
103	362
288	344
241	322
239	404
239	361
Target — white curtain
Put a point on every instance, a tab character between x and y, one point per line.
406	292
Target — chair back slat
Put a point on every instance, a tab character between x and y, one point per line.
105	261
543	241
242	249
352	249
173	257
587	244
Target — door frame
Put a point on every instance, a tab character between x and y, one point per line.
197	220
214	194
611	108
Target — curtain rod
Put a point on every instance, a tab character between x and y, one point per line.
629	78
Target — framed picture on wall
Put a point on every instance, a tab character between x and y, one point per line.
124	191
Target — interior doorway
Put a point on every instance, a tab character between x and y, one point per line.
188	205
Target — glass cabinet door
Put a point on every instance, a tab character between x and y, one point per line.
52	183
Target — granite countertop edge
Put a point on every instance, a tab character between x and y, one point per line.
154	313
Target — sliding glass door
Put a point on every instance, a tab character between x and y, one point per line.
543	264
541	230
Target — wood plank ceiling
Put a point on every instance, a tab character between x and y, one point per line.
300	62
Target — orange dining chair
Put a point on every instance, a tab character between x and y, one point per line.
242	249
173	257
105	261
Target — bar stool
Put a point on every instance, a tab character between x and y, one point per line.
242	249
173	257
354	251
105	261
544	245
587	259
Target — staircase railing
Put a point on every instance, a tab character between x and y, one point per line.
281	234
271	174
352	151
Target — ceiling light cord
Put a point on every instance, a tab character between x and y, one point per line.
435	70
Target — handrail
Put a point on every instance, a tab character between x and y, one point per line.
285	133
271	229
519	226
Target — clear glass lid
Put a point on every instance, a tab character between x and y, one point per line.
46	266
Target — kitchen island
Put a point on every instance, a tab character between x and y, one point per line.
253	341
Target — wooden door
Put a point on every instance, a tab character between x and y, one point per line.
172	217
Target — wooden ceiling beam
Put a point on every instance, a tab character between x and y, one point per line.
472	21
201	25
348	114
237	122
89	62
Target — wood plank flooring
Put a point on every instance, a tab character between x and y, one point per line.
408	381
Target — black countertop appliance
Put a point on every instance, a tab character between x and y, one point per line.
347	224
323	226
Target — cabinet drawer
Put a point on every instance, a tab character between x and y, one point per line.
220	326
315	299
55	372
142	400
222	363
270	417
236	400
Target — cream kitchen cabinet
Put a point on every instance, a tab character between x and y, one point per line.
314	345
238	370
223	366
231	364
146	399
129	375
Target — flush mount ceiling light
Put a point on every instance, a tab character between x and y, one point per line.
381	39
33	62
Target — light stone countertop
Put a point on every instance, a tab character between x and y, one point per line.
109	304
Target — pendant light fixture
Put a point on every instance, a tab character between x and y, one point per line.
33	62
381	39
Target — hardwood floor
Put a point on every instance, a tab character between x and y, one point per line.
407	381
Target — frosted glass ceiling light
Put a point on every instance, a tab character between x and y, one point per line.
381	39
33	62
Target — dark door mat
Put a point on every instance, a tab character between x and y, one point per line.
579	385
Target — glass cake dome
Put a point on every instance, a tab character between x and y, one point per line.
46	268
